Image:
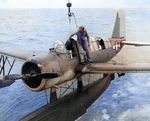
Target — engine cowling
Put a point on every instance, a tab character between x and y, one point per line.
44	63
32	67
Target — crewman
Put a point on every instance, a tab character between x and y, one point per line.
81	38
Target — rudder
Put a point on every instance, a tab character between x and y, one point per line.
119	28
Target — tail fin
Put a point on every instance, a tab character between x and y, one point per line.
119	28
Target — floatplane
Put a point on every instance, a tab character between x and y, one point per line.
74	87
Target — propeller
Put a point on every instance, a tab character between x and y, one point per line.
29	76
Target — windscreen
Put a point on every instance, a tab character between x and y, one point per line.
59	46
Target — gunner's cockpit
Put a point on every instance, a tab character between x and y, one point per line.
98	44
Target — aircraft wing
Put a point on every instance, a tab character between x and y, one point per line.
16	53
99	68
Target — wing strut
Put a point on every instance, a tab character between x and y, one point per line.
4	61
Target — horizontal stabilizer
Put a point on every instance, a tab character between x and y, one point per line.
135	43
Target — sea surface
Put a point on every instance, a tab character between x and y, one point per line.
126	99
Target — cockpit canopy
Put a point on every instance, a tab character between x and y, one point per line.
59	47
99	43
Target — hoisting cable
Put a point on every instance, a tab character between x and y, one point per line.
70	14
75	20
69	23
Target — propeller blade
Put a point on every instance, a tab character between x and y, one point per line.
13	77
45	75
28	76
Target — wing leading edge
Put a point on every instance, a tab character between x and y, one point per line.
100	68
21	55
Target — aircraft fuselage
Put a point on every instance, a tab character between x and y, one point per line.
65	65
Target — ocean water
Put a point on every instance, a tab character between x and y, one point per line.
126	99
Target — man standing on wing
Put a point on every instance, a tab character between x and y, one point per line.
81	38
